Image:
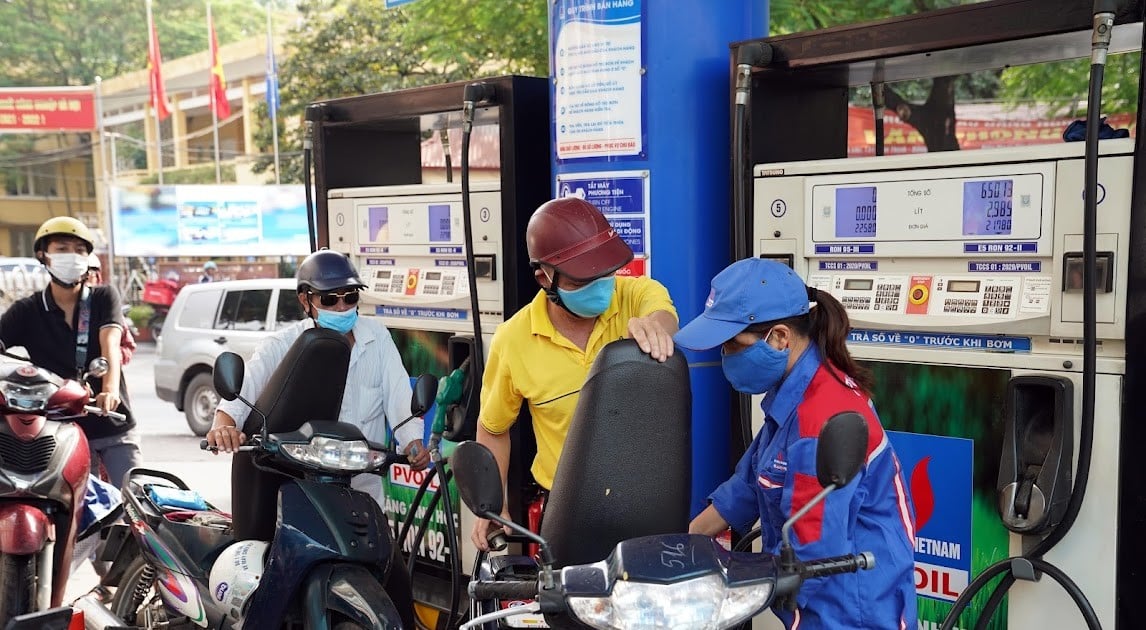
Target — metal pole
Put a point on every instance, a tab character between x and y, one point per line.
273	98
110	271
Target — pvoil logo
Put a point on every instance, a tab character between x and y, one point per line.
939	472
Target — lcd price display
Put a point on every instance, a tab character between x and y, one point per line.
439	223
987	207
855	212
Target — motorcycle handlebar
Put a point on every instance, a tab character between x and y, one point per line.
115	415
215	449
838	564
503	590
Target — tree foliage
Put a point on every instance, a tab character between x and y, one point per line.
1064	85
352	47
71	42
927	105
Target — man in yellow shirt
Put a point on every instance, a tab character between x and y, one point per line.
542	354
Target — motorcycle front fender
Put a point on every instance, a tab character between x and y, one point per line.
351	591
23	529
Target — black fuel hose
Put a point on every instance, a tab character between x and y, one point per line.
1103	24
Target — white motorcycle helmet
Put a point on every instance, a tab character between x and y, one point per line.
235	575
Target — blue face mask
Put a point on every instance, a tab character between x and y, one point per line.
590	300
756	369
338	321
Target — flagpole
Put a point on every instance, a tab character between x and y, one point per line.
273	98
214	104
155	110
109	277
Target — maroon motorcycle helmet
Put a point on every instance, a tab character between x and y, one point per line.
572	236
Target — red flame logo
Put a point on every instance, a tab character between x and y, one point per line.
922	494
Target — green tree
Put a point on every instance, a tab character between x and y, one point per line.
929	106
1063	85
352	47
71	42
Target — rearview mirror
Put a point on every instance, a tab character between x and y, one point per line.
478	478
228	376
98	367
425	390
842	449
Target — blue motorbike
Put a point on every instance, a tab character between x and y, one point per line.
178	562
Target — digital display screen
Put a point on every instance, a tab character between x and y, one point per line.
987	207
384	275
962	286
439	223
855	212
433	275
857	284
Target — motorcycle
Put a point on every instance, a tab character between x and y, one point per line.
44	469
665	580
177	563
611	555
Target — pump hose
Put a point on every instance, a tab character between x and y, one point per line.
307	148
409	520
1103	23
425	522
452	541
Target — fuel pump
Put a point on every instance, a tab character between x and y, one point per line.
386	196
988	291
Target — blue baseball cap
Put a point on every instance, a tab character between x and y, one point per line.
747	292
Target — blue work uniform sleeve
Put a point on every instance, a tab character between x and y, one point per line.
826	530
735	499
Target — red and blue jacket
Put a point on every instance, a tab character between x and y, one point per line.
777	476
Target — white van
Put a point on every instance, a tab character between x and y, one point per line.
204	321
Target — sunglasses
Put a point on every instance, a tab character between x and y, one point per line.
330	299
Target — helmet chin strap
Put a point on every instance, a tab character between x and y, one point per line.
554	296
67	285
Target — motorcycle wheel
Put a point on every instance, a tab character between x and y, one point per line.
122	604
18	577
155	325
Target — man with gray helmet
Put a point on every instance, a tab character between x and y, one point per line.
378	387
377	394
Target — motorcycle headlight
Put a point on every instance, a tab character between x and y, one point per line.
29	398
703	603
334	454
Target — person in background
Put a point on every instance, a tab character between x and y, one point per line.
210	271
543	353
127	343
773	343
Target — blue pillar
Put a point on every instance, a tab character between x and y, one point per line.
642	95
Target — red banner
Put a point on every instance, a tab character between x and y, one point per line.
47	109
900	138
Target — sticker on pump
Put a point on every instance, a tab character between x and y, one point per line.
918	294
412	282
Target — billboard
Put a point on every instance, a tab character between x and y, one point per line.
208	221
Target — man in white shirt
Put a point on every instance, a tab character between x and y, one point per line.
378	391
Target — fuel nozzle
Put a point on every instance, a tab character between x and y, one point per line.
450	390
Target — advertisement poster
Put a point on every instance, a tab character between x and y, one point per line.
623	197
946	424
209	221
423	352
598	72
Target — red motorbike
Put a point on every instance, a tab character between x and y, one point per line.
44	464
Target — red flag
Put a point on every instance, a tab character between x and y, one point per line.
158	100
218	84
